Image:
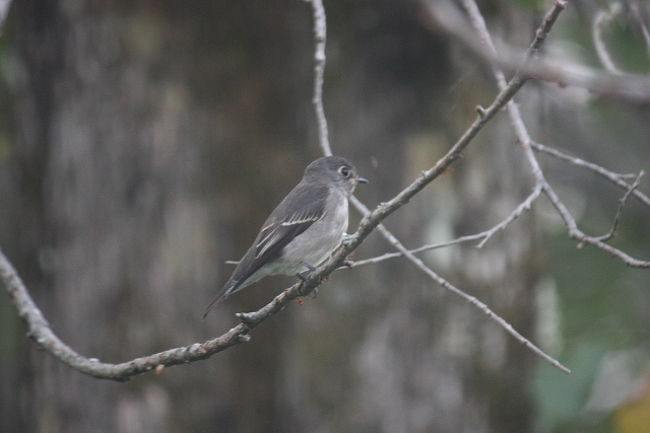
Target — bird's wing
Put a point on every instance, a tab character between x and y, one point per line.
276	235
302	207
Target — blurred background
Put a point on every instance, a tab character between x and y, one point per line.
143	142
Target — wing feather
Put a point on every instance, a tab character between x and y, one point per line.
307	201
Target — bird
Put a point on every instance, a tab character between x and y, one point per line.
303	230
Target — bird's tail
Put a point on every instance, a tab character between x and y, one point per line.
226	290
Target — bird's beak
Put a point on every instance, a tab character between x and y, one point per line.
362	179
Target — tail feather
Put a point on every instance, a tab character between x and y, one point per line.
240	278
223	293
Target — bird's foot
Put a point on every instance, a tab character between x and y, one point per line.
304	276
347	239
299	301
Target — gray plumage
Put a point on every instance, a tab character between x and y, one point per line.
303	230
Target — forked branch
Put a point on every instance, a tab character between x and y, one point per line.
40	331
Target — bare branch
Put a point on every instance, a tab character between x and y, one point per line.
523	136
483	236
41	332
636	9
524	206
634	88
619	210
484	115
423	248
601	21
320	40
471	299
576	233
616	178
371	220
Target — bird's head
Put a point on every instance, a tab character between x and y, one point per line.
335	171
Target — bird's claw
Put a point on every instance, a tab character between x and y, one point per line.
302	276
347	239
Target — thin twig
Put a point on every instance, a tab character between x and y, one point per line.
523	136
601	21
636	9
478	22
524	206
320	41
582	238
484	115
41	332
423	248
634	88
482	236
621	204
616	178
472	300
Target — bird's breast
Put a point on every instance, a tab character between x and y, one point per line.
322	237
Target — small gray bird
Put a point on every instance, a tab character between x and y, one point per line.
303	230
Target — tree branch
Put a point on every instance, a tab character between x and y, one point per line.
621	204
634	88
525	205
523	136
484	116
615	178
483	236
582	238
602	20
320	41
41	332
636	9
472	300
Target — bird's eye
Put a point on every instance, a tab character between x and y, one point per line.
345	171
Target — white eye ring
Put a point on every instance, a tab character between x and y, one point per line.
345	171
